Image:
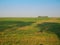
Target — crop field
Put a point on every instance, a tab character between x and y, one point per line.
29	31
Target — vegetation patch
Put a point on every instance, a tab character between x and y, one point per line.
50	27
10	24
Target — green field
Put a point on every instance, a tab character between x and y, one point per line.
29	31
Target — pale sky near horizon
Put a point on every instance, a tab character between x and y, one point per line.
29	8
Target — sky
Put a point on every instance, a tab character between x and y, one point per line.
29	8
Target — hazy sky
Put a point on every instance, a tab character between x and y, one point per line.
26	8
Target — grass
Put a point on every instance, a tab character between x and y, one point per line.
24	31
51	27
10	24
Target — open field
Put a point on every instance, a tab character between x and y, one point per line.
30	31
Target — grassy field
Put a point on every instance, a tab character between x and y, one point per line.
30	31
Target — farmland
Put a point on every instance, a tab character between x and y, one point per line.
30	31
